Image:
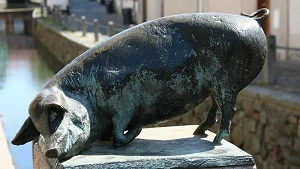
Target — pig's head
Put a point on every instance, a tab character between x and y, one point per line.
63	122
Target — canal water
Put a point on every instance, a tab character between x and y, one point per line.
22	74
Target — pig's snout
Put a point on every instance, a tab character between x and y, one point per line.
52	153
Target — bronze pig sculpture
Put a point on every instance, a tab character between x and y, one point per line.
146	74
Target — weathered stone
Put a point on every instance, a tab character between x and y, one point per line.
259	130
248	106
292	119
290	157
285	141
255	116
247	146
298	128
194	121
237	135
238	116
297	145
265	165
294	167
185	120
238	107
264	153
258	105
256	145
263	117
251	125
290	129
258	161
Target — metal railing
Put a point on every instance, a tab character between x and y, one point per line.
71	23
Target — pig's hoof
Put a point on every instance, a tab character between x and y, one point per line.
200	131
120	142
220	136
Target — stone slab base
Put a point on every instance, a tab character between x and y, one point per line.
161	147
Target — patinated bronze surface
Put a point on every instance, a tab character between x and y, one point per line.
149	73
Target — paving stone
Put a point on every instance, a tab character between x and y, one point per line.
6	161
298	132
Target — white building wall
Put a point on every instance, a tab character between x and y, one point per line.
3	4
172	7
154	9
229	6
294	22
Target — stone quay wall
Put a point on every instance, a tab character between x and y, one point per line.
266	125
52	42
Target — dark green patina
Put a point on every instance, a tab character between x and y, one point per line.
149	73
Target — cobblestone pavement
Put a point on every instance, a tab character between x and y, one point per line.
5	156
94	10
287	73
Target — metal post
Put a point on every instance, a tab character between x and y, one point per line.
268	73
42	11
60	18
110	28
57	15
63	19
83	25
96	29
55	11
131	25
66	20
73	26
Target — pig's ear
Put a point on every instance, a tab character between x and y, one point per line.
27	133
55	101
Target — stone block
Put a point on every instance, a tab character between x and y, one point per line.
297	145
255	116
251	125
162	147
237	135
294	167
258	105
292	119
298	132
264	153
256	145
238	117
259	130
290	129
263	117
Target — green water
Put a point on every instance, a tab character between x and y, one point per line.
22	75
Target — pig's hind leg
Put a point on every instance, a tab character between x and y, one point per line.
226	102
211	119
120	126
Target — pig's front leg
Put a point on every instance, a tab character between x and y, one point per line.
120	123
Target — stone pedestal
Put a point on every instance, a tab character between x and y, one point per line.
164	147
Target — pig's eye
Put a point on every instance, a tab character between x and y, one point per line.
55	118
52	116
